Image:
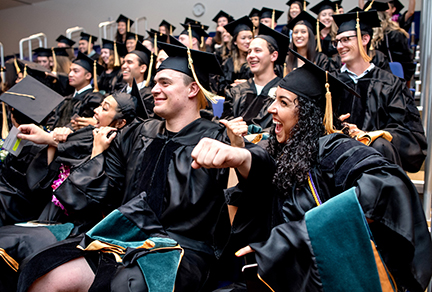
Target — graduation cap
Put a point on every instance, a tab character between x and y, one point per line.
313	23
192	21
31	68
32	98
58	52
88	37
338	4
312	82
126	20
278	40
163	38
146	57
378	5
111	45
223	14
302	3
64	40
43	52
91	66
169	27
398	5
323	5
254	13
270	13
134	36
241	24
140	107
358	21
196	64
196	31
355	9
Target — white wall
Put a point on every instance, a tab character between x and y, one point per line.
53	17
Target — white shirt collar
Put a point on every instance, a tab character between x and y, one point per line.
89	86
139	85
353	76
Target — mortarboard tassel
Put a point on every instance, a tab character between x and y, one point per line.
190	36
89	42
209	95
170	29
116	56
202	38
253	30
25	71
128	26
155	44
304	5
285	70
95	83
273	20
136	37
149	71
17	68
5	128
55	60
318	36
359	41
369	7
328	115
9	260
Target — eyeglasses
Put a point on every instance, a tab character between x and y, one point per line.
344	40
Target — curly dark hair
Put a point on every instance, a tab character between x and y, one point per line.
299	154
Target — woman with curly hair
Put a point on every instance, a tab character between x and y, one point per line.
313	169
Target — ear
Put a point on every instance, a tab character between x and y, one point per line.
120	123
143	68
274	56
193	90
88	76
365	39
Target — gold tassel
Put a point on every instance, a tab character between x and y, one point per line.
273	20
328	115
155	44
136	38
17	68
209	95
190	36
337	9
368	8
5	127
96	87
25	71
170	29
89	42
202	38
13	264
285	70
55	60
359	41
304	5
128	26
253	30
149	71
318	36
116	56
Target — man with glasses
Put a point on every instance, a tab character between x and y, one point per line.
385	117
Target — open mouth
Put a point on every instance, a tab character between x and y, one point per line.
278	127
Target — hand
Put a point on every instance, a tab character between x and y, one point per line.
100	140
80	122
210	153
61	134
236	130
33	133
220	29
209	41
344	117
244	251
353	130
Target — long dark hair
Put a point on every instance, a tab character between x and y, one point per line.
288	13
311	50
299	154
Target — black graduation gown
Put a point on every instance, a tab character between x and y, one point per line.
399	226
242	100
229	75
94	57
406	25
398	50
143	158
109	82
82	104
19	203
387	104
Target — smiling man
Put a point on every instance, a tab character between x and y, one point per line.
385	117
84	100
136	64
183	201
252	98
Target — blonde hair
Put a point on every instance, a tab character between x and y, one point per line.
63	64
387	25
